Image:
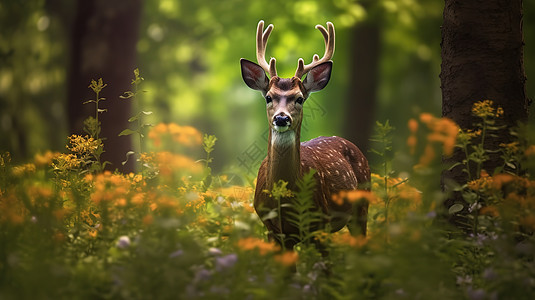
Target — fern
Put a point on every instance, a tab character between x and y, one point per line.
303	215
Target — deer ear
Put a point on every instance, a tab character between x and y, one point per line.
318	77
253	75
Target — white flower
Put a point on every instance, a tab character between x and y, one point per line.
123	242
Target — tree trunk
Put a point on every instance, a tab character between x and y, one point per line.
104	40
364	60
482	58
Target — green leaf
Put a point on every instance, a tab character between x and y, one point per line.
128	154
271	215
127	132
134	118
455	208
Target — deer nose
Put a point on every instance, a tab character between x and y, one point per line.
281	120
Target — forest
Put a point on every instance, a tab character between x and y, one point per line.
131	143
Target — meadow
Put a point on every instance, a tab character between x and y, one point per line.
70	229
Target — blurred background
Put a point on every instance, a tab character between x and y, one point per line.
386	67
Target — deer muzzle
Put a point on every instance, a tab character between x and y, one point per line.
282	122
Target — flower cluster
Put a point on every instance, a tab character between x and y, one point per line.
353	196
443	131
252	243
82	145
109	188
484	109
184	135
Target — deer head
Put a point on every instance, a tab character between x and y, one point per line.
285	96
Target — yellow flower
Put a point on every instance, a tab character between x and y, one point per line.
24	169
484	109
82	144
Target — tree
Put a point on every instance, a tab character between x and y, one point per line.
103	43
482	58
362	98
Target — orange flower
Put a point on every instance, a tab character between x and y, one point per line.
354	196
412	141
499	180
413	125
489	211
252	243
530	151
169	162
288	258
348	240
148	219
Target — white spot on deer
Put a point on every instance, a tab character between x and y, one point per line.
360	164
337	172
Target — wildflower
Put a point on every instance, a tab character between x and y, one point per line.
66	162
185	135
489	211
214	251
354	196
252	243
484	109
82	145
225	262
412	141
24	169
530	151
123	242
148	219
45	159
167	162
13	210
110	187
176	253
348	240
499	180
413	125
288	258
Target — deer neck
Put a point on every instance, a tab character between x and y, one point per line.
284	158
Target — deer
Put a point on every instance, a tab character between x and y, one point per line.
339	165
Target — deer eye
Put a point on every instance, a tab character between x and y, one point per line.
300	100
268	99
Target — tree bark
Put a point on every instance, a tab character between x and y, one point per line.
104	38
364	61
482	58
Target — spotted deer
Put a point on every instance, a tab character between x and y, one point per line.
339	164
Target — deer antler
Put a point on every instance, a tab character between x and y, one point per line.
261	42
328	36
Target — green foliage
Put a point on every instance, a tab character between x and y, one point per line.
137	118
302	214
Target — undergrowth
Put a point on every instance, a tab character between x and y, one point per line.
70	229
